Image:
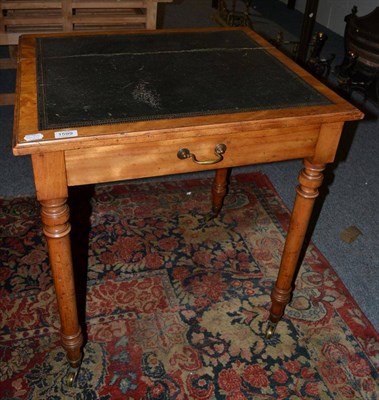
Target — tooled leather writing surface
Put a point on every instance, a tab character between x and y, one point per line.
103	79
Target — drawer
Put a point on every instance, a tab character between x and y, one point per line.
156	158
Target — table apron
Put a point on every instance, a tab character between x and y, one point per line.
157	158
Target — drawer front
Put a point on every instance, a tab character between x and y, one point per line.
156	158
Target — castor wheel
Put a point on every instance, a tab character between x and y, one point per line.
211	216
270	330
71	376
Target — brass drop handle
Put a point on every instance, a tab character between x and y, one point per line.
220	149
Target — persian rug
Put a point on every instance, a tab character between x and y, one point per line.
175	307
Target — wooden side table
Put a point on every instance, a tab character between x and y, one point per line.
160	108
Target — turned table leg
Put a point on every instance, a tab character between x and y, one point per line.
310	179
52	193
219	189
56	227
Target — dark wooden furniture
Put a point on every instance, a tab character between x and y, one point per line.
164	110
360	67
307	27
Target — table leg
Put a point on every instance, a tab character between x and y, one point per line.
310	179
219	189
56	227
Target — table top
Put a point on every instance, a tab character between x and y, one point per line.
80	86
170	75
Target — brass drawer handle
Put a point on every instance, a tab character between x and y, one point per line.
220	149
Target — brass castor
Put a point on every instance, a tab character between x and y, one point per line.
270	330
71	376
212	215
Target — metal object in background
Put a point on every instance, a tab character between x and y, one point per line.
233	13
307	30
360	67
315	63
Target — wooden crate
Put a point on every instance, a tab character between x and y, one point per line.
23	16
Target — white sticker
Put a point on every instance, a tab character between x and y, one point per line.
65	134
33	136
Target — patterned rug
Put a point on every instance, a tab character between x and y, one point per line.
175	305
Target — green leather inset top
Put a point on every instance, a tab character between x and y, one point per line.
103	79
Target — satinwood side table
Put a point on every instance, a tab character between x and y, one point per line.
109	106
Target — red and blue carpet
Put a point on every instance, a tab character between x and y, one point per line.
175	307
